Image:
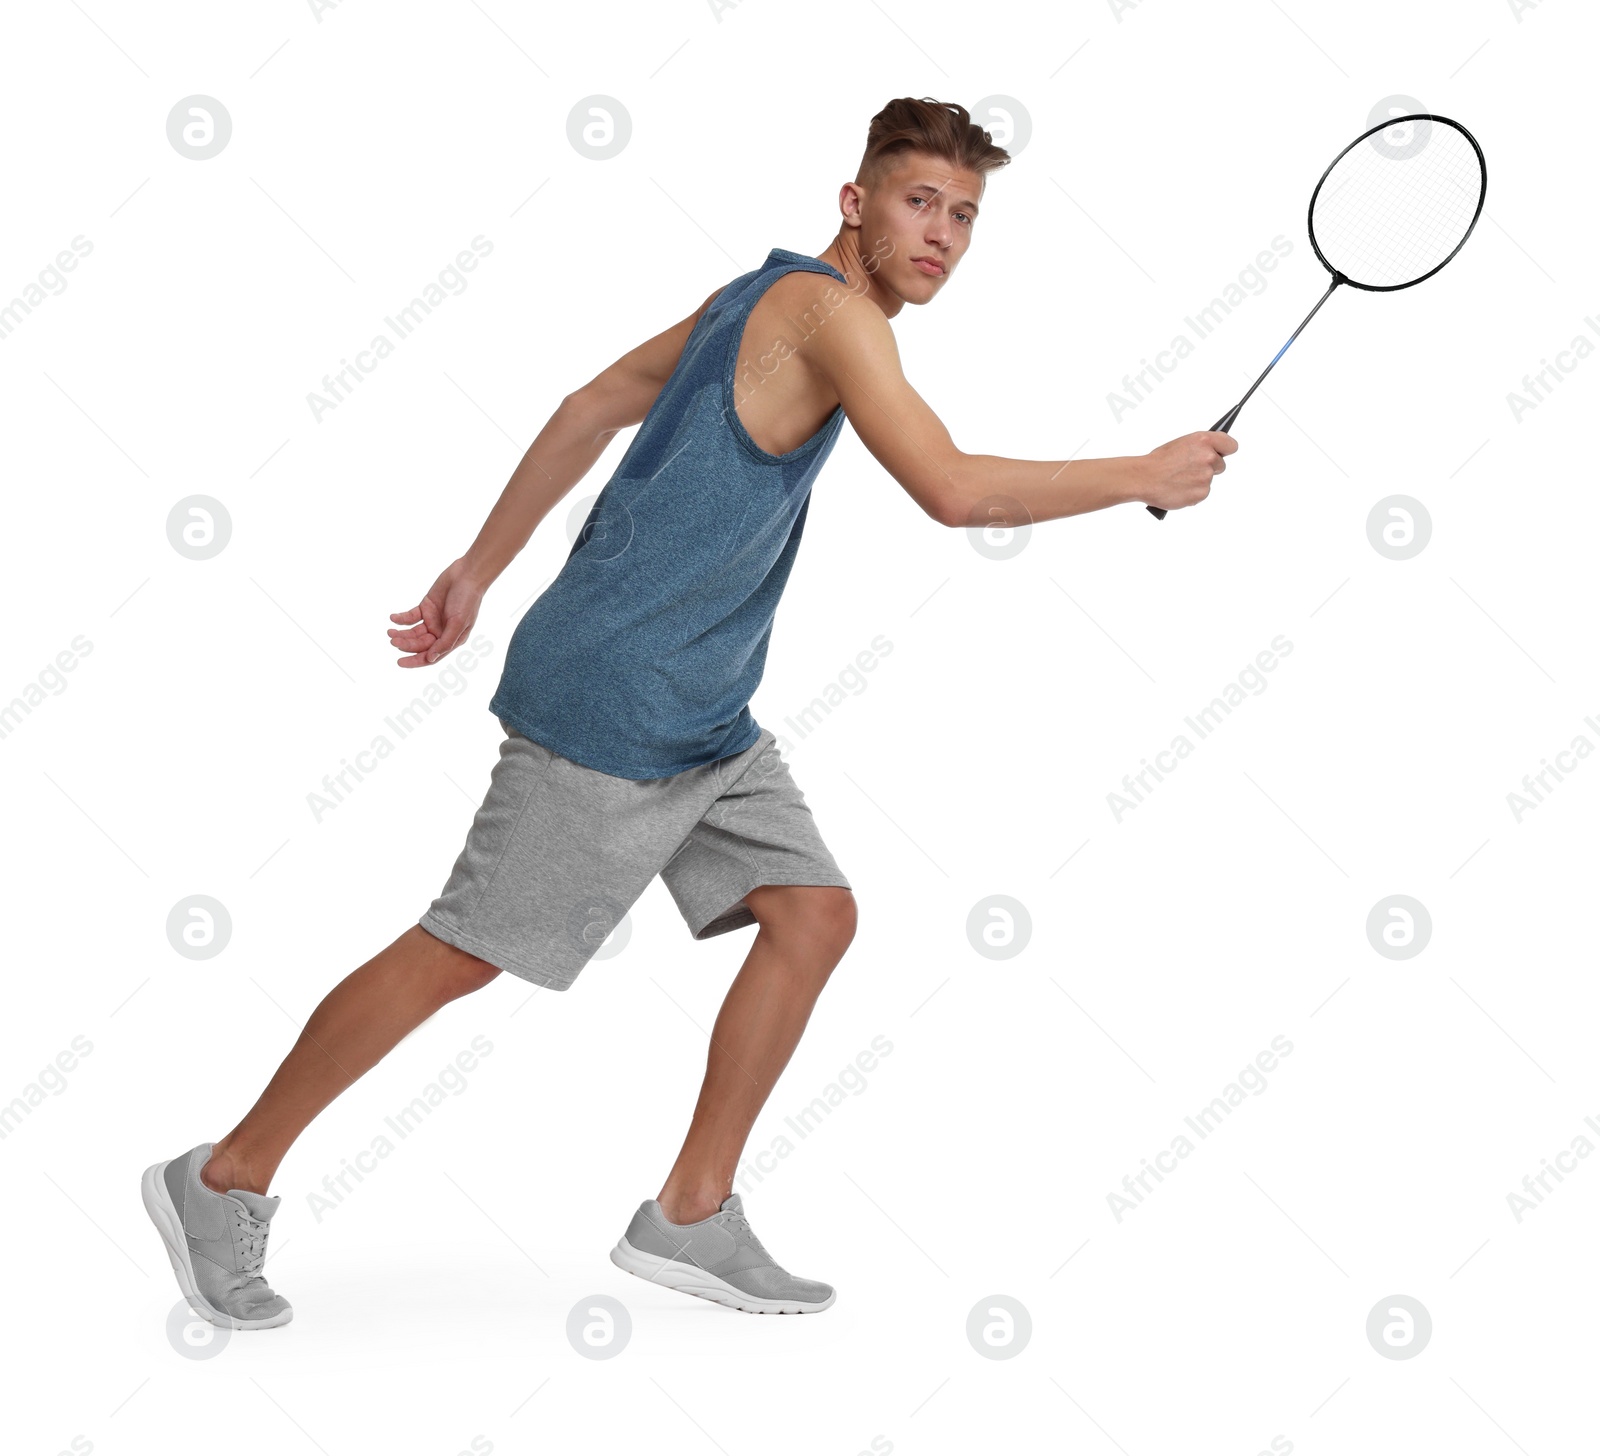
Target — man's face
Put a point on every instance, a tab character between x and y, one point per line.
918	220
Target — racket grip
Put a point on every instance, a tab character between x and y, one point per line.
1224	424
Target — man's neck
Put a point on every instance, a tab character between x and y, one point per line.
845	254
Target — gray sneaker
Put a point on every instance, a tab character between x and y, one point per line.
217	1243
719	1258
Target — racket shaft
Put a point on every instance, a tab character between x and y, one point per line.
1225	424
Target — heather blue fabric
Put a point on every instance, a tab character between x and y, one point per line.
639	659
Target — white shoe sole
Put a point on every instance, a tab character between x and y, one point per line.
164	1215
691	1279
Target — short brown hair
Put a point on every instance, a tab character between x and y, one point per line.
943	129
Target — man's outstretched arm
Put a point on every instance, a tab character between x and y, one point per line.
573	438
856	353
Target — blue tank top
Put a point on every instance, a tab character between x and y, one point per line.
639	659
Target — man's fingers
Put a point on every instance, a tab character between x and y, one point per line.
424	617
453	632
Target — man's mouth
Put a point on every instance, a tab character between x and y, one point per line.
931	266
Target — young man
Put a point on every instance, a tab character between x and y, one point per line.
630	750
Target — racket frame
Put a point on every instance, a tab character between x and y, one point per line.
1483	188
1226	422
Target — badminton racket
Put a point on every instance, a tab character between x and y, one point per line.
1387	214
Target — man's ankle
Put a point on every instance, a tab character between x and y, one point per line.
689	1207
225	1170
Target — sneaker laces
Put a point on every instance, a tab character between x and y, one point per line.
253	1240
739	1223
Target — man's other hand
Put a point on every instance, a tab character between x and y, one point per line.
441	620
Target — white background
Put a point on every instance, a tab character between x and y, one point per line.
1168	145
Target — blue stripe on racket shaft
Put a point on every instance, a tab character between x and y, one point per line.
1225	424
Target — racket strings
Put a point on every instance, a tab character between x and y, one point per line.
1387	215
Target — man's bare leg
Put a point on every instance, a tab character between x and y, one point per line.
355	1025
804	931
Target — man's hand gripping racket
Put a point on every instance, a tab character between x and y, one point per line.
1179	473
1385	215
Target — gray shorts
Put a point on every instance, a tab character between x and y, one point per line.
558	852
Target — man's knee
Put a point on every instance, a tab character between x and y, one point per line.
824	914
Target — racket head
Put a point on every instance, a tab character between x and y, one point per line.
1386	215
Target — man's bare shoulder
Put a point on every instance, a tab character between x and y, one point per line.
849	350
818	300
827	326
847	331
